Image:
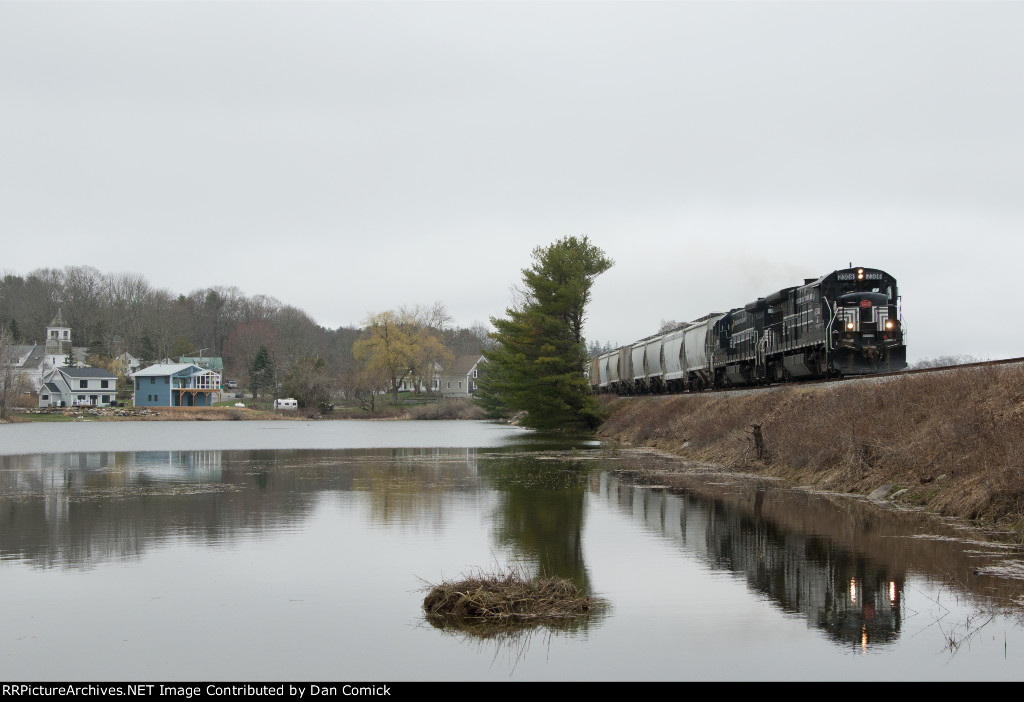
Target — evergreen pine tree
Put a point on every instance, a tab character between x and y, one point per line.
261	373
149	352
537	364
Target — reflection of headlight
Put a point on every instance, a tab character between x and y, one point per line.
889	324
849	325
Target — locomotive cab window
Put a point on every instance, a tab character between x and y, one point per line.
887	291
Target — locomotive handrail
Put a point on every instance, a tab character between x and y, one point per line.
831	325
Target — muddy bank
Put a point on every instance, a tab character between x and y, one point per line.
951	442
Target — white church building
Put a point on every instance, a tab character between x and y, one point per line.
37	360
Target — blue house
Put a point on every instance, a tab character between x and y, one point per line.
176	385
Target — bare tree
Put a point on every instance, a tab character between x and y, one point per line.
943	361
434	317
12	379
364	386
242	344
127	297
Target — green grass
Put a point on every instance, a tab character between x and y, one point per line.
42	418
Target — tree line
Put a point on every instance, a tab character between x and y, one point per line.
536	357
265	344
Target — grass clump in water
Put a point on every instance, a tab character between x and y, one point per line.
505	598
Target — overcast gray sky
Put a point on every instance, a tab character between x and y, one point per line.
349	158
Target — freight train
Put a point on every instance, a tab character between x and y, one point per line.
844	323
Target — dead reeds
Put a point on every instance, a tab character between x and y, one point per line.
953	439
482	601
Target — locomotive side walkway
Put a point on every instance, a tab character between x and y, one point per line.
950	442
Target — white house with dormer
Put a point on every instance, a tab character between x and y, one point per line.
75	387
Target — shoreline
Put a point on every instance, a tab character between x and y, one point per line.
446	408
949	443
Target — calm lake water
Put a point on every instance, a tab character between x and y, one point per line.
300	551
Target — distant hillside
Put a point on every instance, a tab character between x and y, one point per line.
113	313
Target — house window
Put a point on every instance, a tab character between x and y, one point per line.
81	398
460	385
106	399
104	384
46	397
449	385
82	384
474	372
167	380
152	381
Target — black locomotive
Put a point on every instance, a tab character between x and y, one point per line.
844	323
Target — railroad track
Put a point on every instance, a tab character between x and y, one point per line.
839	379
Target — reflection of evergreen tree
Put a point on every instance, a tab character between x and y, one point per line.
541	512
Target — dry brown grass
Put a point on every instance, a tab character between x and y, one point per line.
446	408
955	440
507	597
210	414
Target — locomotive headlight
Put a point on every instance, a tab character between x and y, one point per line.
849	325
889	324
860	274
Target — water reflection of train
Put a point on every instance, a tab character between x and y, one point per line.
853	598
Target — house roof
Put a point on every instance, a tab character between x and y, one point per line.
33	355
87	372
211	362
162	369
464	364
58	321
52	387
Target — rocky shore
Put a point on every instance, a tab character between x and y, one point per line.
446	408
174	414
83	412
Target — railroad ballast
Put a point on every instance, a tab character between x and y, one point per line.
845	323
